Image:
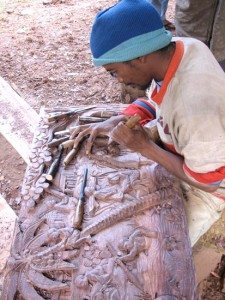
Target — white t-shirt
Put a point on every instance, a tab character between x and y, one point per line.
190	110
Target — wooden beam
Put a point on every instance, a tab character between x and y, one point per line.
7	223
17	119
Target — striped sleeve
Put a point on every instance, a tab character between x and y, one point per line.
209	178
143	108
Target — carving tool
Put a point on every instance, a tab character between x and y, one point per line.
132	121
57	142
69	131
68	144
104	114
79	213
62	133
55	165
151	129
87	119
68	114
70	155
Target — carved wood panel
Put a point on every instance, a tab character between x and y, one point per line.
134	241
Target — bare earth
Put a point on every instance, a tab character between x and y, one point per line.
45	56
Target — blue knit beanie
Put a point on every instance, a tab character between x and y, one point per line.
125	31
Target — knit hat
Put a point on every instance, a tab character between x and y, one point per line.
125	31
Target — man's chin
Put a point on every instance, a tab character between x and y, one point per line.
138	86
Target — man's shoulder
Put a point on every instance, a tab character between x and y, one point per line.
194	49
198	60
189	41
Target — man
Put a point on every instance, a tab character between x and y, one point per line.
203	20
188	101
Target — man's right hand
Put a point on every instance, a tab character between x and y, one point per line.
95	130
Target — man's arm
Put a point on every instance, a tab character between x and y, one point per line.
173	163
137	140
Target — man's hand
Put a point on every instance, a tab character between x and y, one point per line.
138	140
135	139
95	130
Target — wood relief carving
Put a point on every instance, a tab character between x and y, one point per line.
133	242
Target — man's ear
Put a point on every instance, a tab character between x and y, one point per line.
138	61
142	59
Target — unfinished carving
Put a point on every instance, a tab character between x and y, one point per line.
133	243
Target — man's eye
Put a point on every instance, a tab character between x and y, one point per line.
113	74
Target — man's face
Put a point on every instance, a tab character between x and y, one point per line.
130	73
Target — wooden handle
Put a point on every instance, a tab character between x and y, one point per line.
132	121
55	165
67	144
79	213
70	156
57	142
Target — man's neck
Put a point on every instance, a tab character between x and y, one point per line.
162	62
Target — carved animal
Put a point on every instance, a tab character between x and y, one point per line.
122	212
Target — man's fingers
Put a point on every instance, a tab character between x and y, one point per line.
74	133
117	132
77	130
90	142
80	137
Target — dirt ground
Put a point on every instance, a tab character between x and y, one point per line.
45	55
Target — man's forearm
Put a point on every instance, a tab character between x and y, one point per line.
173	163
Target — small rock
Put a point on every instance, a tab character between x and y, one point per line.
21	31
46	2
29	39
9	11
70	39
72	74
26	12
